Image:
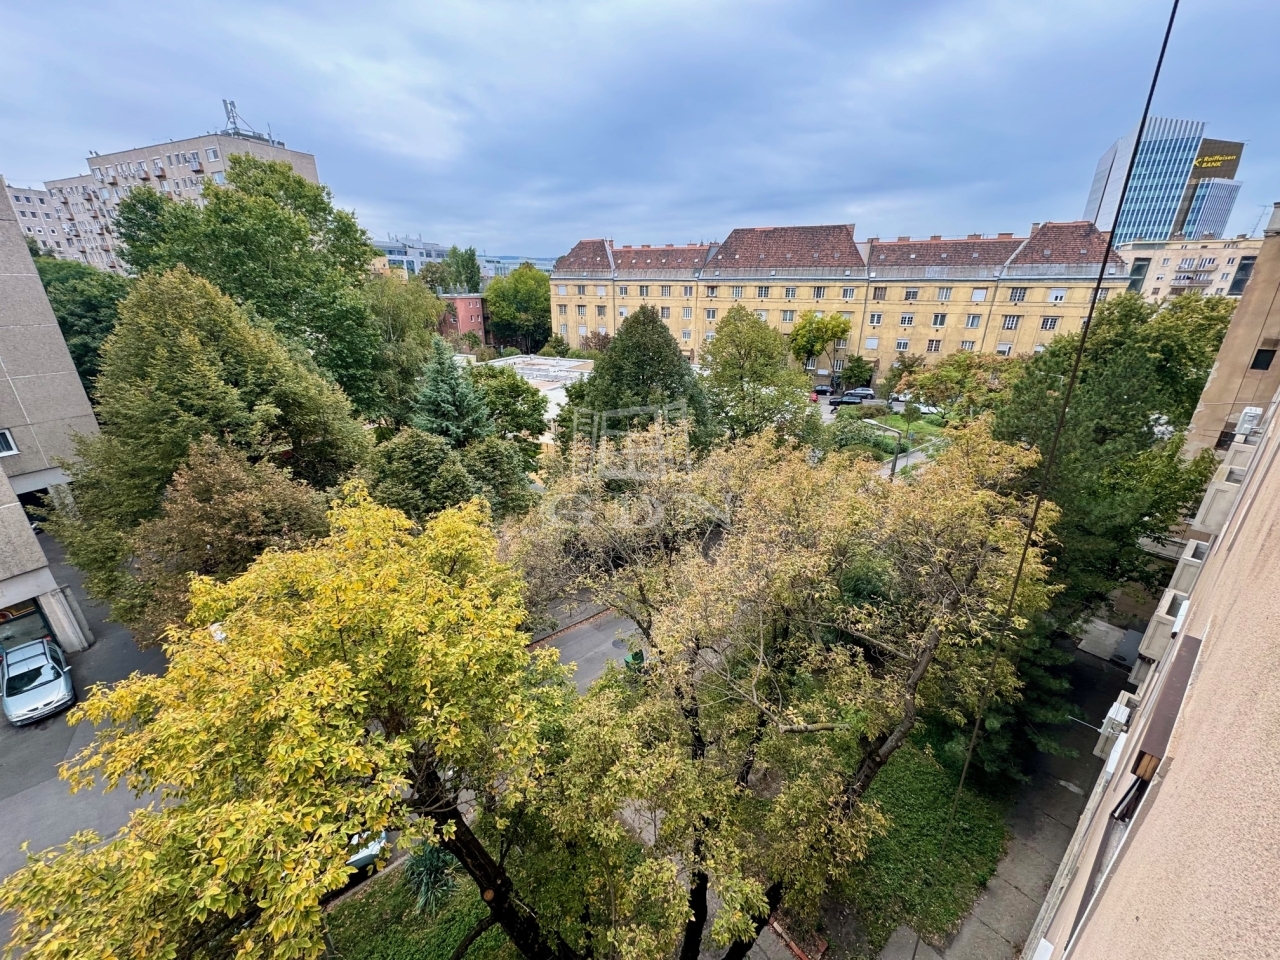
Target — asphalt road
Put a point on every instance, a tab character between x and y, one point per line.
35	804
591	645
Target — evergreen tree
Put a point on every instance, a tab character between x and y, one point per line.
464	270
642	367
448	404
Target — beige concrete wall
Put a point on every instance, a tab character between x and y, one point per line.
1232	385
42	402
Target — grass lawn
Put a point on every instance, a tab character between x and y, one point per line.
901	880
380	923
919	429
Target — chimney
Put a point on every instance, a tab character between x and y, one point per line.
873	239
1004	236
1034	227
1273	225
670	244
974	236
900	239
644	246
936	236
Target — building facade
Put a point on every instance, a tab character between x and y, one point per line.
1245	374
931	297
1183	183
408	254
42	407
1174	855
83	207
466	313
1160	269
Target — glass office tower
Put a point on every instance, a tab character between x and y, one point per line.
1182	183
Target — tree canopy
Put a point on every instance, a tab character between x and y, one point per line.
748	382
219	512
406	316
448	404
813	334
463	270
183	363
364	685
642	367
520	307
85	301
273	241
517	408
1120	478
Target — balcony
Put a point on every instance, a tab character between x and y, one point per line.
195	166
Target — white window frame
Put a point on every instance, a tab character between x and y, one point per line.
873	343
1004	349
939	320
875	319
1049	323
902	345
933	346
968	345
944	293
1058	295
979	295
6	438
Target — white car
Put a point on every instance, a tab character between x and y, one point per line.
37	681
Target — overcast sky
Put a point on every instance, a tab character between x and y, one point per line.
520	127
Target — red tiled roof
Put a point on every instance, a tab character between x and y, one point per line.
586	255
991	252
1077	241
670	257
793	248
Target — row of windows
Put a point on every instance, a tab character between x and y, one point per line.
903	345
976	294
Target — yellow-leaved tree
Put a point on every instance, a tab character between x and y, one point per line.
368	684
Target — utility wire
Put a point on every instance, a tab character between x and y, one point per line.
1051	458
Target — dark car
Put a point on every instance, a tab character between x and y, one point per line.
848	397
819	391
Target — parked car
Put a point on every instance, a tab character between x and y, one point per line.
866	393
37	681
819	391
846	398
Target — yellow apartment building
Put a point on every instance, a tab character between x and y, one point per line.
1160	269
931	297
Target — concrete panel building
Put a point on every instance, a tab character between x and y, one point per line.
1175	854
84	206
1246	375
42	407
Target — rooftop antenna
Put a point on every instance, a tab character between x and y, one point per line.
238	126
1262	209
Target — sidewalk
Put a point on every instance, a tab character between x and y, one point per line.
1040	825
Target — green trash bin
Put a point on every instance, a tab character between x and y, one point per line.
634	661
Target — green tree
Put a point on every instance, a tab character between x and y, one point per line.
643	367
464	270
85	301
374	682
857	372
1120	478
419	474
448	404
790	645
813	335
520	307
184	362
273	241
557	346
904	365
406	316
963	385
748	383
518	409
219	512
435	276
500	470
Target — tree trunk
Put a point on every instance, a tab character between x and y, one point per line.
884	747
739	949
519	923
691	946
